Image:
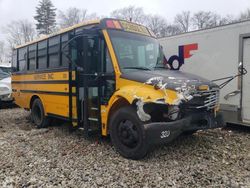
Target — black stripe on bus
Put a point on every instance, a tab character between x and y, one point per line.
47	92
41	82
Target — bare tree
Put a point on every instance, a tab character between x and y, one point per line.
202	19
71	17
183	20
170	29
227	20
74	16
245	15
92	16
19	32
156	23
131	13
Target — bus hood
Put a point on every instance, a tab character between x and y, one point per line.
171	79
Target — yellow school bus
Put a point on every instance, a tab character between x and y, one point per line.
111	76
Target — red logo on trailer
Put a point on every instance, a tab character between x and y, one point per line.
184	53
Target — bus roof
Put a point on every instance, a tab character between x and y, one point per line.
104	23
85	23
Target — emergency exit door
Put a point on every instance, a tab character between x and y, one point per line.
246	82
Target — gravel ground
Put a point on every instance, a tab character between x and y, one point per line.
57	157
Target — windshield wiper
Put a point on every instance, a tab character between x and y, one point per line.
160	67
139	68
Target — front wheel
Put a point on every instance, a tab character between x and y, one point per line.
38	115
127	133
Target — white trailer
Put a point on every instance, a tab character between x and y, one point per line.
216	53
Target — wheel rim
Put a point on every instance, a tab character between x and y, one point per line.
37	114
128	134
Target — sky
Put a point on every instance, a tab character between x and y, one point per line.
25	9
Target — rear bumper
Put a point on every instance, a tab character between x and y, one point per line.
164	132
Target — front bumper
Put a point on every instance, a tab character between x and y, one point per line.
6	97
164	132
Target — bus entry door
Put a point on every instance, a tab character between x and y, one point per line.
88	82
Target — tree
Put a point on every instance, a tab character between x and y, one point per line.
19	32
131	13
202	19
74	16
160	27
227	20
170	29
183	21
245	15
156	23
71	17
45	17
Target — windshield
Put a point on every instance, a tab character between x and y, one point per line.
137	52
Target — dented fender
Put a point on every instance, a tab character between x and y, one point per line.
147	93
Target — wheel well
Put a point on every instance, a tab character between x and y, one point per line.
121	102
33	98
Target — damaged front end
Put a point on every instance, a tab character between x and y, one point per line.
189	106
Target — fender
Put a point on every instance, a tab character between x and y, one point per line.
131	93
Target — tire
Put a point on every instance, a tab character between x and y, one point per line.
37	114
127	133
187	133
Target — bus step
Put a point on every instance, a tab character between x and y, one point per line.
92	119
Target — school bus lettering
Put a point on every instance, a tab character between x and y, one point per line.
50	76
40	77
110	77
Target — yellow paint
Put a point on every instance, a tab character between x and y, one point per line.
203	87
54	104
130	91
64	75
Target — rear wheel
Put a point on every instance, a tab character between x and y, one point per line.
127	133
38	115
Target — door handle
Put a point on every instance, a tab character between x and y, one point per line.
231	94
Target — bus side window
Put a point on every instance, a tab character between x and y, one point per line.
92	56
32	57
14	61
54	49
66	50
42	54
22	54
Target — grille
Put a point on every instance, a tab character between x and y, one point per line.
210	98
